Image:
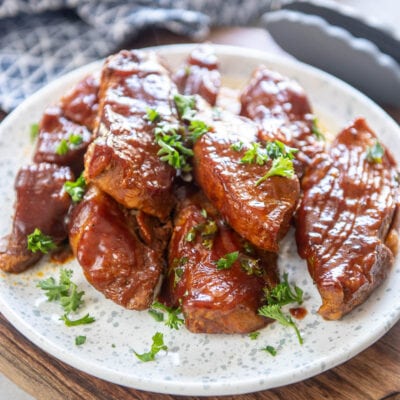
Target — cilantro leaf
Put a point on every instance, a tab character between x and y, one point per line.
375	153
76	189
283	294
156	347
227	261
173	321
87	319
274	311
281	166
37	241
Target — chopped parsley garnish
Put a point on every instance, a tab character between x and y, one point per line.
375	153
197	129
237	146
178	268
80	340
66	292
274	311
75	139
283	294
156	347
281	166
250	265
34	131
173	320
203	212
278	149
227	261
172	149
254	335
270	349
87	319
76	189
191	235
185	105
157	315
280	154
64	146
37	241
255	155
152	115
316	131
207	231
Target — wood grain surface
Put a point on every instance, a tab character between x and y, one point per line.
373	374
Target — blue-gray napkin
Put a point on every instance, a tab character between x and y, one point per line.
43	39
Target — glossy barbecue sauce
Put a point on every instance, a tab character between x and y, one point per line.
298	312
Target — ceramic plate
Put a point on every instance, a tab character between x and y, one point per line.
196	364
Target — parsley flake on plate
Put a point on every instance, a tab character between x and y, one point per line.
156	347
79	340
274	311
173	320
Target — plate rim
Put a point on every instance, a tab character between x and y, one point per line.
173	387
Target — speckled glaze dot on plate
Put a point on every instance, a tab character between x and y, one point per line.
196	364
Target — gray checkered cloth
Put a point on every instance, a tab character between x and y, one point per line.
43	39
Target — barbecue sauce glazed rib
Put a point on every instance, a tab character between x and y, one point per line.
282	109
105	238
214	301
123	160
41	203
200	74
261	214
344	219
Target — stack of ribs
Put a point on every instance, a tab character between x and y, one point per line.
143	230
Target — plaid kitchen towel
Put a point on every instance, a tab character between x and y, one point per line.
43	39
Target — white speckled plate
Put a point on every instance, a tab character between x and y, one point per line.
196	364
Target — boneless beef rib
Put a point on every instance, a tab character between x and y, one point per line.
350	198
215	300
123	160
